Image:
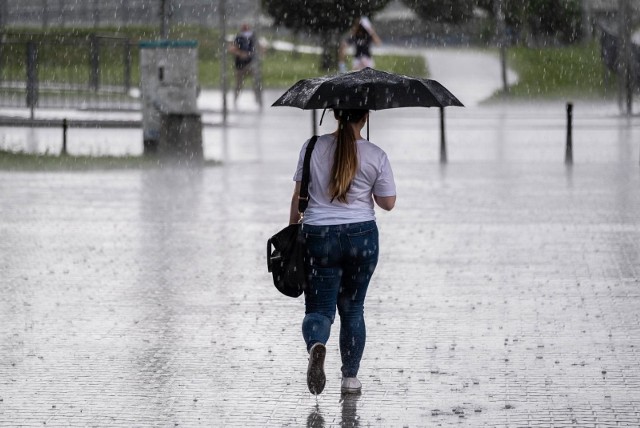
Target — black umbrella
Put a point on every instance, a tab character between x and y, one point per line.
367	89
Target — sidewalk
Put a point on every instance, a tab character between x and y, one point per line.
506	293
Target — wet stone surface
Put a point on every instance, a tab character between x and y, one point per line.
507	292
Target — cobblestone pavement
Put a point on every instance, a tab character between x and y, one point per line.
506	293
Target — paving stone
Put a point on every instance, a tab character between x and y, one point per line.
506	294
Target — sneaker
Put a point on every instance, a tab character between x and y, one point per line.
315	371
351	385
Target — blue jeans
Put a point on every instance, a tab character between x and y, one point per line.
340	262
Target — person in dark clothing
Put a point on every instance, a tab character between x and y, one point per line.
243	49
362	36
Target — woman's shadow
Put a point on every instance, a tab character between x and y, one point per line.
349	408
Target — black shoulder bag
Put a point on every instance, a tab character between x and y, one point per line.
286	249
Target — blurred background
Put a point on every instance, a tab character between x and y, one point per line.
585	46
85	56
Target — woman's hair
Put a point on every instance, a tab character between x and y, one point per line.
345	162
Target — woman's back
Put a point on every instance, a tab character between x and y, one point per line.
373	176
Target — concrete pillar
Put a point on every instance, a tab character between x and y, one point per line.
169	86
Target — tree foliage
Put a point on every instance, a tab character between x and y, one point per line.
552	17
447	11
327	18
547	18
542	18
320	16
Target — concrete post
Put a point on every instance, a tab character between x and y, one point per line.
168	81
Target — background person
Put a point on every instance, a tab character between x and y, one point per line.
347	174
243	49
362	36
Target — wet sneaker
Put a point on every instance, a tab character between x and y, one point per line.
351	385
315	371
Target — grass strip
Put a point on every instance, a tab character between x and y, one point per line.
21	161
573	71
63	61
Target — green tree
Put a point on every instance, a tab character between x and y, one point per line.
326	18
447	11
555	18
542	18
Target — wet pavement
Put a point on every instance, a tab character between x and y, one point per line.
506	294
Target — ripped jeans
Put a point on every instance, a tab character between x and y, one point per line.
340	262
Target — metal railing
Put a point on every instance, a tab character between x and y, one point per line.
87	72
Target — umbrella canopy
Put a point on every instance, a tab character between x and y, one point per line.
367	89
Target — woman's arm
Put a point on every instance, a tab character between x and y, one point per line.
376	39
294	215
385	202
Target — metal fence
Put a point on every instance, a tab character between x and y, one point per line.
94	13
96	71
90	72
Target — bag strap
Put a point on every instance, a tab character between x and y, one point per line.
303	197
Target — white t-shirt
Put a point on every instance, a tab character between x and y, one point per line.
373	177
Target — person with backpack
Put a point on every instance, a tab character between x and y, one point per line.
243	49
362	37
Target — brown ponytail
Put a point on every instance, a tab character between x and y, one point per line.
345	162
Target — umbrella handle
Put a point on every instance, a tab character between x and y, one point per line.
314	117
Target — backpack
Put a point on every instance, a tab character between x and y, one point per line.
245	44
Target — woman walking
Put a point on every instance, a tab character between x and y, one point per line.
348	173
362	36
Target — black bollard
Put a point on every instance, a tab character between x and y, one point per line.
443	141
568	154
64	137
